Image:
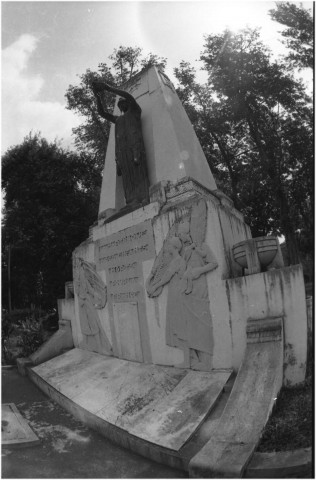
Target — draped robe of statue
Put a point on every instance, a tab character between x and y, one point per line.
188	314
196	327
130	154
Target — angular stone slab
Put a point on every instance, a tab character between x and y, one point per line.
178	414
161	405
15	431
227	453
126	388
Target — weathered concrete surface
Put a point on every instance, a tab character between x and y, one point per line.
58	343
238	431
15	431
225	226
177	415
162	405
68	449
279	292
61	341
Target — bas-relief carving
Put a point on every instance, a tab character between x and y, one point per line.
92	296
182	264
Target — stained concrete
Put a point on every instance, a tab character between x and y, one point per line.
161	405
15	431
67	448
255	390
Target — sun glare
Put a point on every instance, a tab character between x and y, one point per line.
237	15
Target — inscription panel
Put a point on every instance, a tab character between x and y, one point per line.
127	246
120	255
125	282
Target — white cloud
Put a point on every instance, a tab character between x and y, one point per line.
21	109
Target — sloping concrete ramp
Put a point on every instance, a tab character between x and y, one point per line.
257	384
160	405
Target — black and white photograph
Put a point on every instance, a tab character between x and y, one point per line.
157	208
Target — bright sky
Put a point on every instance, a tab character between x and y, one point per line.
45	45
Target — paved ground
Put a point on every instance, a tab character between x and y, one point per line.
68	449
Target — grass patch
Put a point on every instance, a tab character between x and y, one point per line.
291	424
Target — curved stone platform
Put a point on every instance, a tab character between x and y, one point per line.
236	436
150	409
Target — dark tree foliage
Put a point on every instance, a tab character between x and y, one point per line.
299	34
251	119
92	135
51	198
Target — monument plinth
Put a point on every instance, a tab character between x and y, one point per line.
162	315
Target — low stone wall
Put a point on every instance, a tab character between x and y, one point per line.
279	292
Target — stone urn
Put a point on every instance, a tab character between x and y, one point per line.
260	250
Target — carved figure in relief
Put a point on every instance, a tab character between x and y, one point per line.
189	322
92	296
129	144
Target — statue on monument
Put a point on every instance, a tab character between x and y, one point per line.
129	145
92	296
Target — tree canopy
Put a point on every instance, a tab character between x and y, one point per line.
51	198
299	34
251	118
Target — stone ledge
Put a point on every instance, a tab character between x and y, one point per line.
114	433
262	465
280	464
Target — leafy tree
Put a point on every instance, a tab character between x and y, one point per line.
251	118
222	138
92	135
51	195
299	33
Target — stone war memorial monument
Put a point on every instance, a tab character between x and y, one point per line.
179	328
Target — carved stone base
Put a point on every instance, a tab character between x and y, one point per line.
111	214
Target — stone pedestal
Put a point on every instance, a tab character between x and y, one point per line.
123	253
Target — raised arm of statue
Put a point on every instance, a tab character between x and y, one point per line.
174	267
207	263
97	88
121	93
